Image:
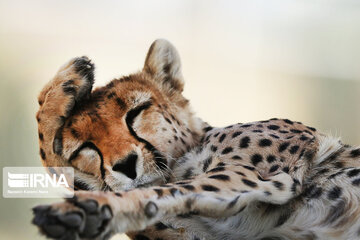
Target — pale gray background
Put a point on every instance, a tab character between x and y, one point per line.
242	61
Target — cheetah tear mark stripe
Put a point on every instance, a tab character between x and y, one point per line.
130	117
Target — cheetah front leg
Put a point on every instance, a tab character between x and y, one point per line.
222	191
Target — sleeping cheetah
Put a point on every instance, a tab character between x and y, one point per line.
155	171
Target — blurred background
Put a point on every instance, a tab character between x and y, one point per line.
242	61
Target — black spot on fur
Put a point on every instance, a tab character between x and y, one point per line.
249	183
257	131
233	202
273	127
334	175
188	173
278	185
303	138
220	164
274	136
338	165
355	153
182	182
168	120
207	129
227	150
111	95
173	117
270	158
353	172
356	182
240	173
75	133
308	132
286	169
274	168
246	125
235	134
173	191
294	149
210	188
312	129
267	193
249	168
288	121
159	191
121	103
213	148
58	140
244	142
221	177
312	192
222	137
118	194
236	157
295	131
207	163
322	171
309	155
188	187
334	193
41	136
265	142
283	146
217	169
256	158
42	154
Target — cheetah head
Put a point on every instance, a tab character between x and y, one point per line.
122	135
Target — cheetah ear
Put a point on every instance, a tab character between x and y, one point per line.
163	63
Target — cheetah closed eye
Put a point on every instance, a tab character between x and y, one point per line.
146	166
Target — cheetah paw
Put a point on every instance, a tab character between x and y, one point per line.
74	219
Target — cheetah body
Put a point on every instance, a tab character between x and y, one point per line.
169	175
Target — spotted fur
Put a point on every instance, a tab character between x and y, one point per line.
157	172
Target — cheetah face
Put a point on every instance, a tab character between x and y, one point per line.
120	136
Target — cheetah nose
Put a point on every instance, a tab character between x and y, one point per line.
127	165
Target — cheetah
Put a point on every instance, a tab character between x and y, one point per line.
146	166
